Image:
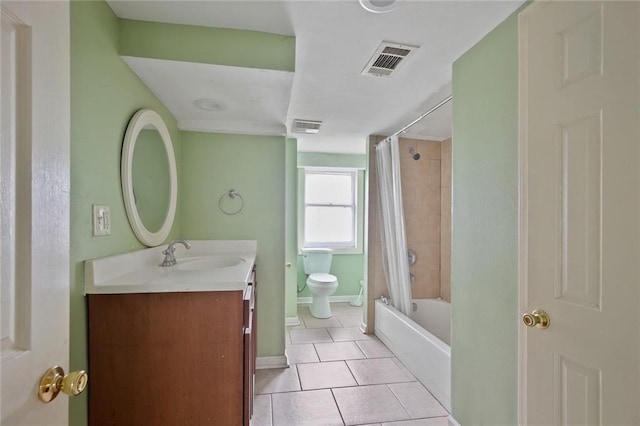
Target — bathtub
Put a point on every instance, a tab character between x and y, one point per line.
425	353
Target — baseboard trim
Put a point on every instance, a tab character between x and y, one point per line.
268	362
292	321
452	421
332	299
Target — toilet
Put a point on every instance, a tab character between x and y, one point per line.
317	264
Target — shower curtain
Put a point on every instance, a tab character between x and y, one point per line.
394	242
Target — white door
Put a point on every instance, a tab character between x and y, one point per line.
580	212
34	213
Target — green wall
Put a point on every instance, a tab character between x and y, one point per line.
485	230
255	167
221	46
105	93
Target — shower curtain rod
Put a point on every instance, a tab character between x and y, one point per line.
444	101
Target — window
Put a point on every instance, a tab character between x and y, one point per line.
330	210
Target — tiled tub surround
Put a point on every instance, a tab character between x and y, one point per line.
426	193
339	376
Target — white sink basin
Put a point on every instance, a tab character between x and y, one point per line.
210	265
207	262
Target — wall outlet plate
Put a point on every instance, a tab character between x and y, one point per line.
101	220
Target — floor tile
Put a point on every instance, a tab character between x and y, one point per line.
297	327
351	319
417	400
338	351
312	335
324	375
311	322
369	404
261	411
348	333
436	421
374	349
330	358
277	380
345	307
302	353
377	371
404	369
303	310
306	408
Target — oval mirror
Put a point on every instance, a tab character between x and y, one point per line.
149	177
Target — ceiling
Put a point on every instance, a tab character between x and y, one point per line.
334	41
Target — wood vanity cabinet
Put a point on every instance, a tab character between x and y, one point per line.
172	358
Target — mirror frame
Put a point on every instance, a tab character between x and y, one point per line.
139	121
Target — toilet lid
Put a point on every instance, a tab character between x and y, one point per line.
321	277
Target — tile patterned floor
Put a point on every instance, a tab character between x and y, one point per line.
339	376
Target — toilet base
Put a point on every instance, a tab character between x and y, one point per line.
320	307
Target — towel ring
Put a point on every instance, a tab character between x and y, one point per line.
231	194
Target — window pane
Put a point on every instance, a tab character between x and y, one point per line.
329	224
322	188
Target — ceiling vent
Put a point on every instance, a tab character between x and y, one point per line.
387	59
306	126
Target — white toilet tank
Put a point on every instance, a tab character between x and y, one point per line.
317	260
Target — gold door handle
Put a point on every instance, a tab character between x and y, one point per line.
537	318
54	381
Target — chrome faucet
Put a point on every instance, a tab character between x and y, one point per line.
169	257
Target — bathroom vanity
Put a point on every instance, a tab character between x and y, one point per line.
173	345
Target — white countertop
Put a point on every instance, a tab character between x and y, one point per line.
139	271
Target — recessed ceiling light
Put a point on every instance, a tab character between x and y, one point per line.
208	105
378	6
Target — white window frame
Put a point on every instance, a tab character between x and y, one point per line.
353	246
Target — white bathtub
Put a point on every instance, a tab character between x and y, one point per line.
427	357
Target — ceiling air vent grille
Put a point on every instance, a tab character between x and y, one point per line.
387	59
306	126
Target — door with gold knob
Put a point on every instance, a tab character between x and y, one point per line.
34	212
580	213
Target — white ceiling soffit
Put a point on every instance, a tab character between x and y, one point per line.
335	39
269	16
236	100
332	145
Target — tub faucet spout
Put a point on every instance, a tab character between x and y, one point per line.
169	257
384	299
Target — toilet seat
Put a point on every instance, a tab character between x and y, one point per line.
321	278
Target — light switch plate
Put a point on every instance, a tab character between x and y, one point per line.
101	220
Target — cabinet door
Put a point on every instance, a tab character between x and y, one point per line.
166	359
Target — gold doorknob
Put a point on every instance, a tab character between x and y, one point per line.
537	318
54	381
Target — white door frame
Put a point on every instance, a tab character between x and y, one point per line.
523	242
